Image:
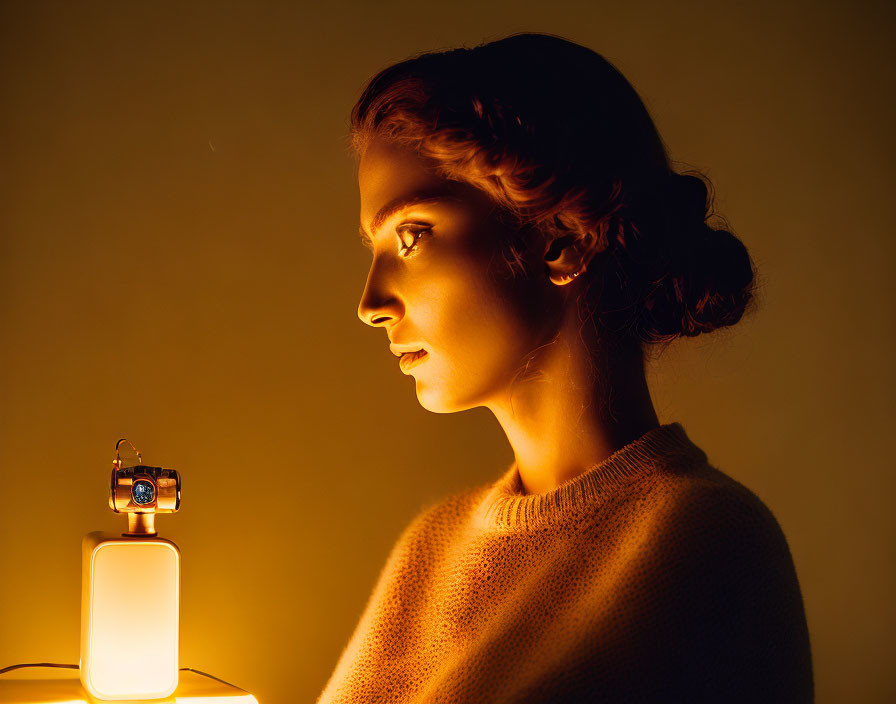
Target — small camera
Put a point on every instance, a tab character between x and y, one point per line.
142	491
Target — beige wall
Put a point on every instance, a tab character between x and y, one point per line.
179	265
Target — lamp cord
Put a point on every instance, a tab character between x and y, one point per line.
75	667
37	664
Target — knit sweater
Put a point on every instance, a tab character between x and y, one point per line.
651	577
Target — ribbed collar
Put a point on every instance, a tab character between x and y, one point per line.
506	507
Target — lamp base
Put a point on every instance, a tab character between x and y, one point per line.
130	616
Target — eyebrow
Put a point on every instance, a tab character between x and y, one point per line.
400	203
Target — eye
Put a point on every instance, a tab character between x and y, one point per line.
417	231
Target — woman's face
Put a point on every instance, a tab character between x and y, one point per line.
437	282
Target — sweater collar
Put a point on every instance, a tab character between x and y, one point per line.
506	507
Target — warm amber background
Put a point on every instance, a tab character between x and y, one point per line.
180	266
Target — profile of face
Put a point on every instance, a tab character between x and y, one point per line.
437	282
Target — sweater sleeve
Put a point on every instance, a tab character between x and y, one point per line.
725	621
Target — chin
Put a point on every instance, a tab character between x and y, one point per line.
436	401
433	401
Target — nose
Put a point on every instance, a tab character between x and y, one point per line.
379	305
374	315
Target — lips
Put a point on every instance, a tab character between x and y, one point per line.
411	359
399	350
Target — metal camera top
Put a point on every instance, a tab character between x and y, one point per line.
142	491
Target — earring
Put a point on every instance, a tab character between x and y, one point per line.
570	277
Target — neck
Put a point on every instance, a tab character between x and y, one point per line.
564	416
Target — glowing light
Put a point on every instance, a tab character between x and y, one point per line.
130	618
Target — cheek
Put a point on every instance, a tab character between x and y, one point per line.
477	325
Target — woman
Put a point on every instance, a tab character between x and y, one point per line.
530	242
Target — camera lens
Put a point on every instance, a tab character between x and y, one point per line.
143	492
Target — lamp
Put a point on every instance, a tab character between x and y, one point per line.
130	611
130	591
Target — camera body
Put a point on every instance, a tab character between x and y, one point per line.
143	489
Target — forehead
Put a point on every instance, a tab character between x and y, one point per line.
389	171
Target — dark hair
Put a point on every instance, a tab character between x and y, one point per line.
563	143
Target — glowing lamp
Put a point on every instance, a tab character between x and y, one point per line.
130	614
130	591
130	611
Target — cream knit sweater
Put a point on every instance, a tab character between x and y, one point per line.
651	577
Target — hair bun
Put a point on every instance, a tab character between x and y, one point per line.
688	200
708	279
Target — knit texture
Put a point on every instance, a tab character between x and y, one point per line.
651	577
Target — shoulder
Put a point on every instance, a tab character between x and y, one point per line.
424	537
448	511
701	536
729	587
435	519
727	555
705	506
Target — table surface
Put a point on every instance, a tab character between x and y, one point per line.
54	685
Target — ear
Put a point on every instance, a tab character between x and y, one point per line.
566	257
